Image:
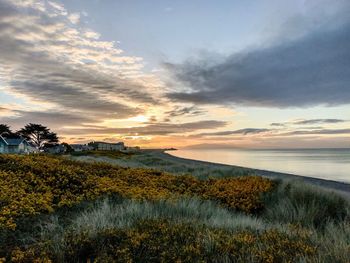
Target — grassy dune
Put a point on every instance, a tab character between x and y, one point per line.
53	209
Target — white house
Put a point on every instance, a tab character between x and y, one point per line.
15	145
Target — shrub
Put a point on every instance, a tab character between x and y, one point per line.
33	184
164	241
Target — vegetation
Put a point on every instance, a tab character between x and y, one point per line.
37	183
39	135
53	209
103	154
5	129
158	160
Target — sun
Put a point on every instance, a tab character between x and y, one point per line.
139	118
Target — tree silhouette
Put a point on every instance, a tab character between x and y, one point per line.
5	130
68	148
39	135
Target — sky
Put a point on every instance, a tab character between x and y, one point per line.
199	73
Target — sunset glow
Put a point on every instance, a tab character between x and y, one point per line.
258	74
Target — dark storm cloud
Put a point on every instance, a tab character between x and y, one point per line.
311	70
153	129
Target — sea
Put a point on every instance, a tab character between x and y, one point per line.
330	164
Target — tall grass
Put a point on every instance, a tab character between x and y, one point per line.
307	205
109	214
54	233
166	163
88	220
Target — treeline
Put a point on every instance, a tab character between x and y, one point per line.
36	134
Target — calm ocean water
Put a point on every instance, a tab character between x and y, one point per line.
332	164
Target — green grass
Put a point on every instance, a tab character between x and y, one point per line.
163	162
309	206
90	221
109	154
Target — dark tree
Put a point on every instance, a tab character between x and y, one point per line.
5	129
68	148
39	135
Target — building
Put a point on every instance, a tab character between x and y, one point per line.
55	149
81	147
131	149
105	146
15	145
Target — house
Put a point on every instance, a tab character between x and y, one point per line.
55	149
105	146
81	147
131	149
15	145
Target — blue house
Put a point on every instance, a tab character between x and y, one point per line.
15	145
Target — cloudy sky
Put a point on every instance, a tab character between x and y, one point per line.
161	73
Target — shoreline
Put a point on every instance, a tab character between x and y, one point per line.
342	188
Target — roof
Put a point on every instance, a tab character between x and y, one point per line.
77	145
13	141
2	139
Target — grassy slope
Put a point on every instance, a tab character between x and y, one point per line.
299	223
157	159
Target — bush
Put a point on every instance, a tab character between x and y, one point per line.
153	216
164	241
33	184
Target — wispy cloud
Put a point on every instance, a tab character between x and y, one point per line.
244	131
182	111
270	133
278	124
153	129
318	121
55	120
45	57
308	122
317	132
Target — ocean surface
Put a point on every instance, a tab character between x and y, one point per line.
331	164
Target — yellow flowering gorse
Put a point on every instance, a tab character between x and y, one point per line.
35	184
